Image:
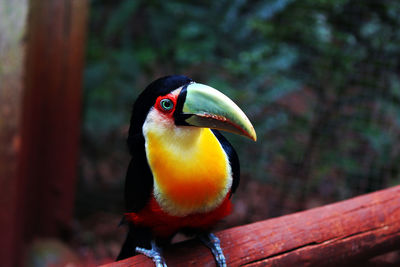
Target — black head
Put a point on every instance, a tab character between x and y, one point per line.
146	100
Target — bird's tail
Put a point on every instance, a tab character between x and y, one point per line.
136	237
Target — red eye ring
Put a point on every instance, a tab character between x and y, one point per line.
166	104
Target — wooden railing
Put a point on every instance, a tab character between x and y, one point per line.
346	232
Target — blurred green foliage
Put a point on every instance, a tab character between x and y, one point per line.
319	79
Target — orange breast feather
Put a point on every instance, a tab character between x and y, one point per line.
191	174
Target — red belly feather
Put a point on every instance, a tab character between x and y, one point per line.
165	225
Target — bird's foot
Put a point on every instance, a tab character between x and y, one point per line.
155	253
213	243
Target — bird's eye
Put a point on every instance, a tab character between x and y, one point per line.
166	104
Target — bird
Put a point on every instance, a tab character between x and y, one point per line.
182	171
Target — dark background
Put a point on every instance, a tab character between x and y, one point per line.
319	79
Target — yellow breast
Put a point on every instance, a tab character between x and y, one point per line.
190	169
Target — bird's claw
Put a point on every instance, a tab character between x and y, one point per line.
154	253
212	242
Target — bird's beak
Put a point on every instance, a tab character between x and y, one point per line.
204	106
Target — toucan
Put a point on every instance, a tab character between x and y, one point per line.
183	171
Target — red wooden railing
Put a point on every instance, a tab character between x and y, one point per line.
343	233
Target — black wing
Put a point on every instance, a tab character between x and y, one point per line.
233	159
138	188
139	179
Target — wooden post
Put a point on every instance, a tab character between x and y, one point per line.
13	14
343	233
40	152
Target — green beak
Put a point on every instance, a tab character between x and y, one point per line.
206	107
